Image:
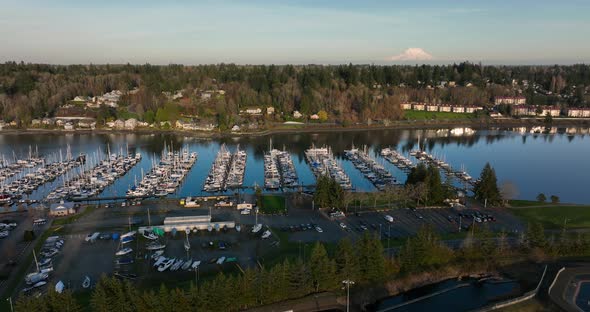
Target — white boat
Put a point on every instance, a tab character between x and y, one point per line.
129	234
159	261
195	264
86	282
36	277
59	287
39	284
155	246
123	251
187	264
165	265
257	228
177	265
150	236
157	254
238	228
266	234
221	260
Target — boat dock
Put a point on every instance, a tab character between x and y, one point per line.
397	159
235	176
165	176
322	162
373	171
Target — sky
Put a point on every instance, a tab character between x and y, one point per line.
295	32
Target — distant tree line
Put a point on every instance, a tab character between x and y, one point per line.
347	93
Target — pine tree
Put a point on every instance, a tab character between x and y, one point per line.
100	298
347	264
322	269
487	187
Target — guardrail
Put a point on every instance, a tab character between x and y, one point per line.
526	296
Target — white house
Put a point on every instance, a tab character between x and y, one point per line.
270	110
419	106
445	108
431	108
553	111
406	106
510	100
252	111
62	209
235	128
578	112
68	126
314	117
297	115
458	109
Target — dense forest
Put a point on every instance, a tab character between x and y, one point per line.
348	93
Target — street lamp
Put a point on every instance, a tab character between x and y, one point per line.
348	283
9	299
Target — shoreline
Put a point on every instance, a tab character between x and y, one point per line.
398	125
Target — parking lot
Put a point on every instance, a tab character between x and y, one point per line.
78	259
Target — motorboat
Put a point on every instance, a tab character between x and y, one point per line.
187	265
177	265
221	260
195	264
159	261
123	251
157	254
150	236
266	234
257	228
165	265
155	246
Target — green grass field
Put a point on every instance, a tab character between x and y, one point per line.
553	217
424	115
525	203
273	204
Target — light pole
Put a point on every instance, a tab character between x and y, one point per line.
348	283
9	299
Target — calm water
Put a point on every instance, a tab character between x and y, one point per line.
460	299
555	164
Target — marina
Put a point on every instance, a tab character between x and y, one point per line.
166	175
397	159
227	171
94	176
279	171
322	162
28	175
373	171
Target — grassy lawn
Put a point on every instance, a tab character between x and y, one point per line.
525	203
424	115
272	204
553	217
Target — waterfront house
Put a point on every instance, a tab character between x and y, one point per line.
510	100
235	128
458	109
68	126
2	124
297	115
472	109
270	110
48	121
553	111
314	117
118	124
445	108
406	106
253	111
36	122
431	108
579	112
87	124
523	110
418	106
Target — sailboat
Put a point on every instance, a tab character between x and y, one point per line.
257	227
187	245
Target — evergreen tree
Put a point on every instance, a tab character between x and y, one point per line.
323	271
347	264
486	188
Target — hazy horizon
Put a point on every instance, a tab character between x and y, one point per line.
295	32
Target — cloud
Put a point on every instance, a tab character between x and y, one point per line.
412	54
